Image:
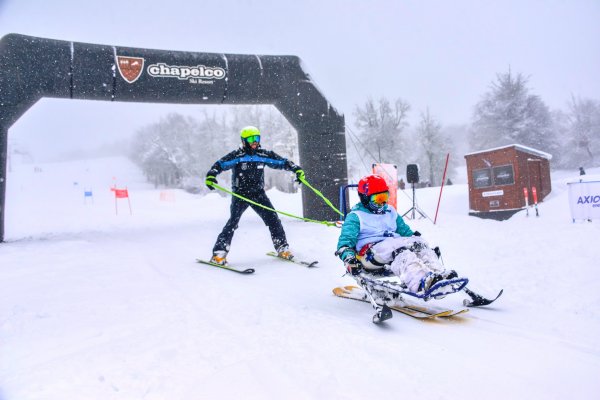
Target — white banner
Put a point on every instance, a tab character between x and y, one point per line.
584	200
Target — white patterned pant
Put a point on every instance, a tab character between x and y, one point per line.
409	266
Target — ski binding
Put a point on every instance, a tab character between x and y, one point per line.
308	264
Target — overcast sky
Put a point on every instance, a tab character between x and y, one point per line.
438	54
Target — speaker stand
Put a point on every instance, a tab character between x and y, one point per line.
415	207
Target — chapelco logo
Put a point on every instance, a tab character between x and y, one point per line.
201	72
130	68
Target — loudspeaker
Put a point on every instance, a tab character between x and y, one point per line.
412	173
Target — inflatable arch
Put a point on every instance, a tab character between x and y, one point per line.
32	68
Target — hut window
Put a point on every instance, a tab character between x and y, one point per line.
504	175
482	178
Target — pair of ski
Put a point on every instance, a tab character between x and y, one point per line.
405	307
393	293
246	271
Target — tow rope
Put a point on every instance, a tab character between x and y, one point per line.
239	196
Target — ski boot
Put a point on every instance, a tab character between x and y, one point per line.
428	281
450	274
219	257
284	252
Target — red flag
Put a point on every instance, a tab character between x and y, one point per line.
121	193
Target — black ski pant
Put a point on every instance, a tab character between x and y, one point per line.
270	218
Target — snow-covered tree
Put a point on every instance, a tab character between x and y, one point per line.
508	114
277	134
434	147
381	126
169	150
177	151
583	131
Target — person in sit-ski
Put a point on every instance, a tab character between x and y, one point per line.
375	237
248	180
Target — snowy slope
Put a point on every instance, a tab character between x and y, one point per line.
95	305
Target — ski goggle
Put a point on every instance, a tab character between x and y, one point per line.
253	139
380	198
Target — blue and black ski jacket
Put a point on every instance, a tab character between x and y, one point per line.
248	168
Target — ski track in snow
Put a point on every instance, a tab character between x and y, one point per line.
95	305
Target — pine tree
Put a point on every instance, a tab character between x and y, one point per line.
509	114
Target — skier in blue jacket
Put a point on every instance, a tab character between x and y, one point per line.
248	179
375	237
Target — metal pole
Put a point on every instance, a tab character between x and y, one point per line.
441	188
3	160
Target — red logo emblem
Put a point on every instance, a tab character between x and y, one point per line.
130	68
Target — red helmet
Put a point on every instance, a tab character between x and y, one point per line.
372	184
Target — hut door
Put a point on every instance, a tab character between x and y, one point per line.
534	174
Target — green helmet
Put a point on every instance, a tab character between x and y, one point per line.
249	131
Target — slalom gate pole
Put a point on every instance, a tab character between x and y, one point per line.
441	188
534	192
221	188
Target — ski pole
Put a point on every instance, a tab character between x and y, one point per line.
221	188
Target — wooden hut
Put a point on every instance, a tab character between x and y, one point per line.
497	179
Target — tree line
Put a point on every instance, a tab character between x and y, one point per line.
177	150
507	113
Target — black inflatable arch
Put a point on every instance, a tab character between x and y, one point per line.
32	68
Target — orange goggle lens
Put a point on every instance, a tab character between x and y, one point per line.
380	198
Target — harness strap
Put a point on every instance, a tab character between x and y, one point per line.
366	253
398	251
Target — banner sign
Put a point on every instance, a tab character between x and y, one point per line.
389	172
584	200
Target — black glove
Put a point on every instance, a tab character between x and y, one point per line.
352	265
417	233
299	175
210	180
437	251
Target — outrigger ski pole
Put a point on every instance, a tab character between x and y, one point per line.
383	312
477	300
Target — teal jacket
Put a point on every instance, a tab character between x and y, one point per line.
351	229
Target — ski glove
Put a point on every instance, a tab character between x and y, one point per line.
417	233
299	175
210	180
352	265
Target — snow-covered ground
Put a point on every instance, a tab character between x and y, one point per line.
95	305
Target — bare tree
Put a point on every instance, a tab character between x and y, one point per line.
381	128
434	147
583	127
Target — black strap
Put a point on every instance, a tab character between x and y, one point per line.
398	251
